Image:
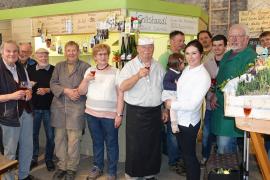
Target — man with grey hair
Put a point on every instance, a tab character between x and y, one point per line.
141	81
25	52
233	63
16	118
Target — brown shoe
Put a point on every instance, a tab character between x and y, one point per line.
95	172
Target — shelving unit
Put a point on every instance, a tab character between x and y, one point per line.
213	11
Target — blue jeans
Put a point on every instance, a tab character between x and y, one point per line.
103	130
174	153
226	144
44	115
22	135
208	137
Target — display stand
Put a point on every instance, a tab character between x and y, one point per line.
252	129
6	165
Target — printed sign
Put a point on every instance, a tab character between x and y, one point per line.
257	21
160	23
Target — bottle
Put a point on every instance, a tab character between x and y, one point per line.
133	47
123	52
60	49
129	50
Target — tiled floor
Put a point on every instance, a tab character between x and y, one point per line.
41	172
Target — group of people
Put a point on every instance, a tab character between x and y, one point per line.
169	91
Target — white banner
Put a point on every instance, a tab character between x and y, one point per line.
160	23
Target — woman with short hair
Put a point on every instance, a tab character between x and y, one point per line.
104	111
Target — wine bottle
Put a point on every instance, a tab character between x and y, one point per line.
129	50
123	52
134	47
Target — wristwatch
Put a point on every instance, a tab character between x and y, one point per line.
119	114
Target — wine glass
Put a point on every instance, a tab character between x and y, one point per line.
23	86
93	72
247	108
148	68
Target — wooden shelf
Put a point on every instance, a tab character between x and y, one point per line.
219	24
61	55
220	9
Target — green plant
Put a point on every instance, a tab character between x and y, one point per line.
260	85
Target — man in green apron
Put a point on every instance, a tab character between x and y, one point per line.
233	64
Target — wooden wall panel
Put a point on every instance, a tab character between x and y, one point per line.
21	30
5	30
81	23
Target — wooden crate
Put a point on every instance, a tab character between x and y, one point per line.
233	106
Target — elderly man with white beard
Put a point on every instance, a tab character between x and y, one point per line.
233	63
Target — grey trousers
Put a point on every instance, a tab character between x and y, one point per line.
67	148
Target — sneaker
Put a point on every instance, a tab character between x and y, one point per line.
70	175
181	171
50	165
180	163
34	164
95	172
111	177
59	174
173	168
181	168
203	162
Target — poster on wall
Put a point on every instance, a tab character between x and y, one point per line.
257	21
160	23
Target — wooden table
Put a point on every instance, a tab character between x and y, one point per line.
6	164
255	127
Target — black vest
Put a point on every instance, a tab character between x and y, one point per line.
10	111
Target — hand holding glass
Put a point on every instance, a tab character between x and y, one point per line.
93	72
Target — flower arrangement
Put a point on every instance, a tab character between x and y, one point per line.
116	56
255	80
259	85
221	171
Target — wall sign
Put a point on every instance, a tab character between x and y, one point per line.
257	21
71	23
160	23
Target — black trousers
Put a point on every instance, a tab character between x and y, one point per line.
187	140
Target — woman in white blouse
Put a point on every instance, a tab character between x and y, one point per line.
192	87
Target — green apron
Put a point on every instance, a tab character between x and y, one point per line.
229	68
